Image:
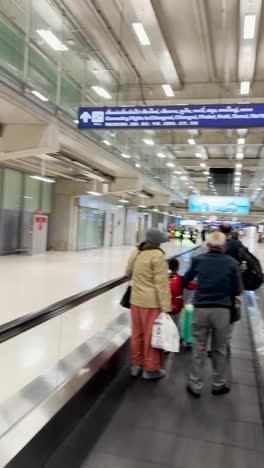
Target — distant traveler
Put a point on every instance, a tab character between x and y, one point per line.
235	235
150	295
181	234
218	282
251	270
203	234
177	290
232	245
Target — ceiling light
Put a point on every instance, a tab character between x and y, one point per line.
76	121
156	210
203	165
241	141
198	155
147	141
123	200
141	33
249	26
191	141
259	189
161	155
39	95
184	177
170	164
206	172
102	92
43	179
142	206
244	87
177	172
95	194
240	156
238	166
125	156
51	39
168	90
107	143
137	165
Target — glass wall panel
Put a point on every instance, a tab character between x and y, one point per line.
16	12
12	190
42	73
70	96
11	212
91	228
31	194
46	17
46	197
11	48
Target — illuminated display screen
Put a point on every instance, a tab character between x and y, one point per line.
232	205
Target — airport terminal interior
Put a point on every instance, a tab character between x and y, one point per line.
118	117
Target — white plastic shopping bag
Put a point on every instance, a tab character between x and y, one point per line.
165	334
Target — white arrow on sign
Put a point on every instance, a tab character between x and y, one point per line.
85	117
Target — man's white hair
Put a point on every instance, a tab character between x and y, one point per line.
216	239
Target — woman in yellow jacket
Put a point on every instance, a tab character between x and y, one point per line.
150	296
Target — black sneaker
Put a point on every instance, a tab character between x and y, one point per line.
192	392
221	391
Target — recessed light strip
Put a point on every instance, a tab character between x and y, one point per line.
39	95
52	40
249	26
168	90
102	92
141	34
43	179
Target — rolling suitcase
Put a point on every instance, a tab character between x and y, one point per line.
186	324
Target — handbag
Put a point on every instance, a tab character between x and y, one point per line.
165	334
235	311
125	301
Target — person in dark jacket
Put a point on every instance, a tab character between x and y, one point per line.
232	245
218	282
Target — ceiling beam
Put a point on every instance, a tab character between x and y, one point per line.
201	12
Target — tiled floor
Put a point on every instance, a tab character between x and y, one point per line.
29	284
157	425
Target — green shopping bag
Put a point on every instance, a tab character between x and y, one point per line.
186	324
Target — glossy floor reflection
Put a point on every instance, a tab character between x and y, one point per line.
29	284
157	425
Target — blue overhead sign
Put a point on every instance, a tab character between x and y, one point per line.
209	116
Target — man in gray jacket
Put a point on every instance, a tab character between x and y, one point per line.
218	282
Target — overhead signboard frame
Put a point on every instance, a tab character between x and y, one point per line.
190	116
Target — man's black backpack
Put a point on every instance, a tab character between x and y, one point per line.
251	270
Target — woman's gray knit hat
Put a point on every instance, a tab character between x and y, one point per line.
155	237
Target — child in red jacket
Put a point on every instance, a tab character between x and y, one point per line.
176	288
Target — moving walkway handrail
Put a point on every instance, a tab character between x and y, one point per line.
18	326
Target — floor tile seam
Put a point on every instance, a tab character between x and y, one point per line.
189	440
106	452
179	436
224	420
